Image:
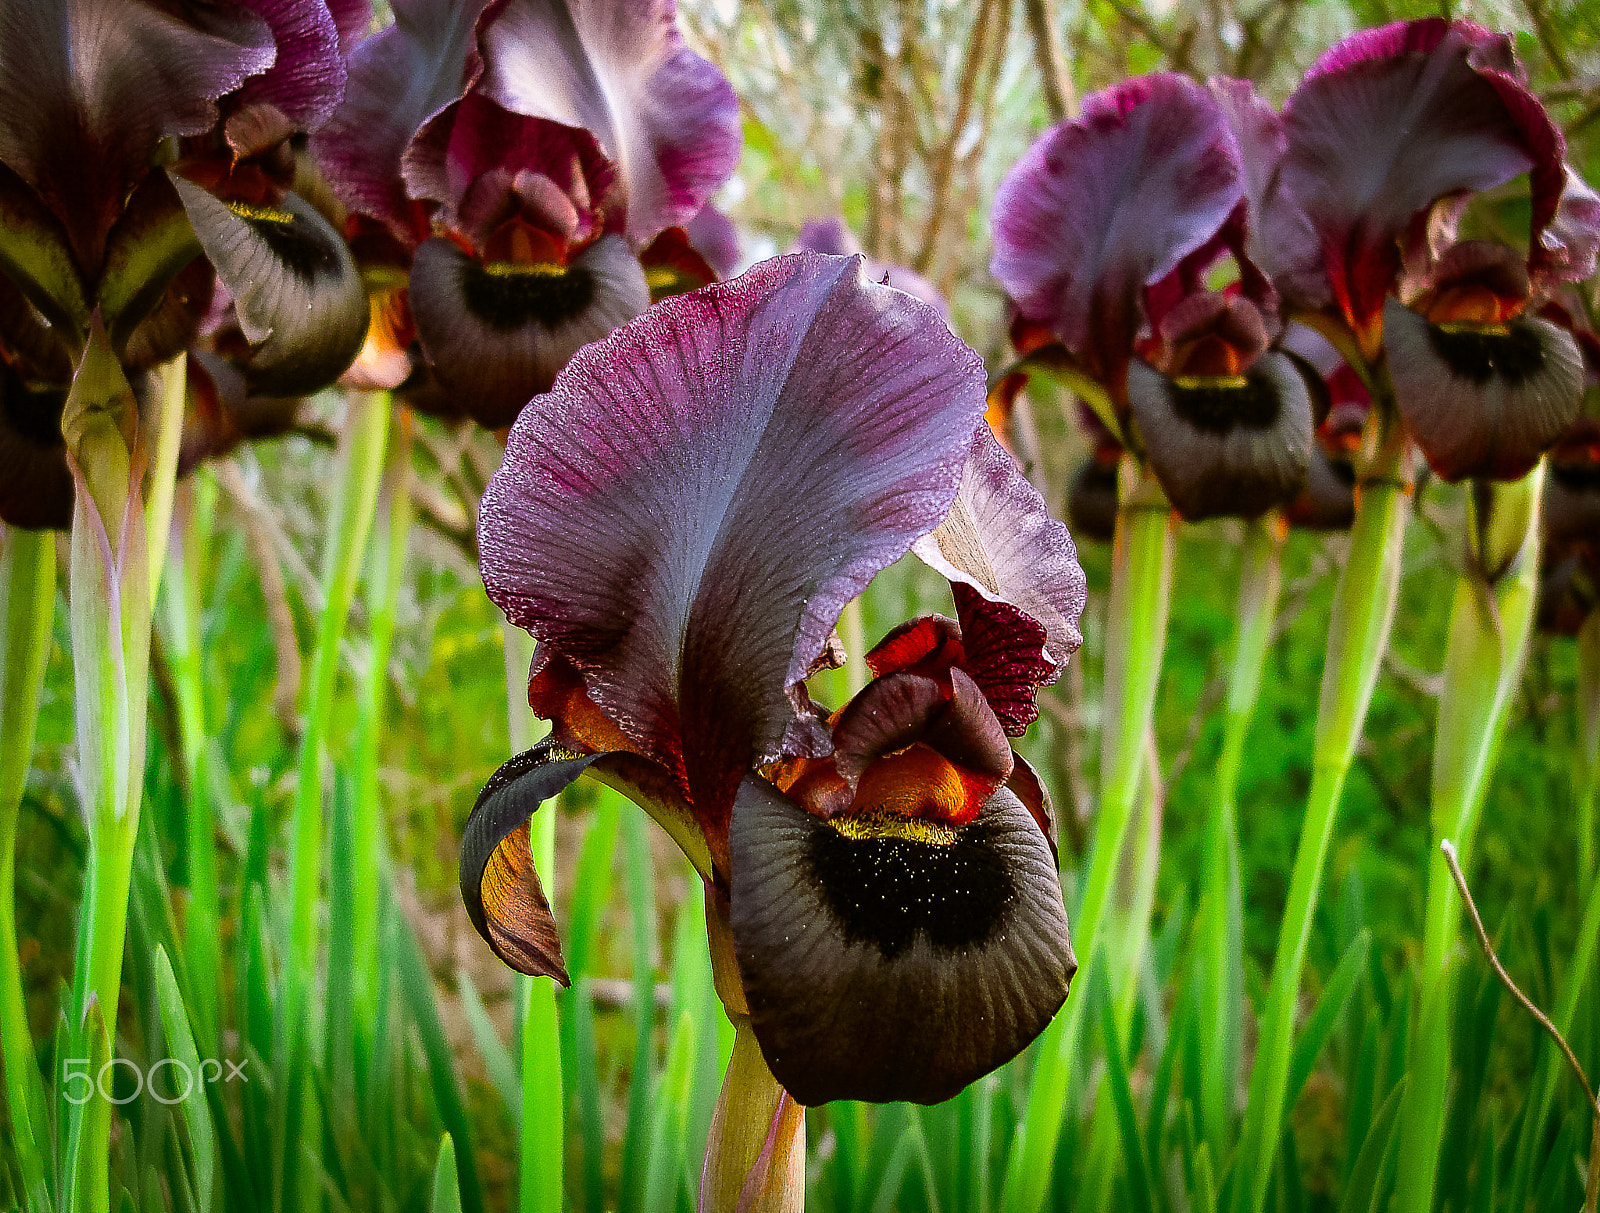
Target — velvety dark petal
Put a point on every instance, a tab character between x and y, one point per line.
1000	541
899	961
1092	501
398	79
306	81
151	241
89	87
1027	787
1328	500
175	321
1225	448
1109	203
35	347
1481	403
35	485
498	883
498	335
1569	589
619	68
1391	120
295	288
685	515
36	254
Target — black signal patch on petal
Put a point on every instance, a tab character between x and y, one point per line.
888	958
498	335
1482	401
35	485
1225	448
296	291
498	884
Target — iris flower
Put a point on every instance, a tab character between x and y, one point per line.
96	96
1360	187
519	161
680	522
1108	233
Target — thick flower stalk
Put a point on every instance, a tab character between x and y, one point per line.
680	522
1343	193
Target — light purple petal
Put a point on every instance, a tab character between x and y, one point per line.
88	88
1000	541
1109	203
620	69
399	78
685	515
1569	245
1392	120
306	81
714	236
834	237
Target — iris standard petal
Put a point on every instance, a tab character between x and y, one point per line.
892	959
307	79
1012	566
398	79
685	515
620	69
89	87
1484	402
498	334
1225	448
1393	119
296	291
498	883
1109	203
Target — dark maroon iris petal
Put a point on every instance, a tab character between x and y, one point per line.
685	515
307	79
35	485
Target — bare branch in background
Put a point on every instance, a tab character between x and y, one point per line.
1059	96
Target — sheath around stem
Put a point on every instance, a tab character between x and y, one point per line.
1490	626
1141	591
1358	633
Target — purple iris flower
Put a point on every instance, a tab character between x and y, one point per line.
146	168
1360	188
1109	234
680	522
519	160
833	237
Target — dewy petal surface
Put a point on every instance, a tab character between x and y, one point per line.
89	87
890	967
620	69
1393	119
1108	203
686	513
1007	557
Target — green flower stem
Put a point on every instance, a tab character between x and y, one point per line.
354	501
1141	585
1586	771
1220	929
1358	633
181	598
27	603
384	576
543	1130
1490	628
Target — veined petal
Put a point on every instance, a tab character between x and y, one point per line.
398	79
1109	203
295	288
620	69
1392	120
36	254
1484	403
306	81
891	960
1019	588
497	335
686	513
89	87
834	237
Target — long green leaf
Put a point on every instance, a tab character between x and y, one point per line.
1365	1186
1140	1184
446	1187
1335	997
196	1113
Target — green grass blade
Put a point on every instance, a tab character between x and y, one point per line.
1140	1184
496	1057
1319	1028
669	1126
196	1113
642	906
27	605
1364	1188
446	1187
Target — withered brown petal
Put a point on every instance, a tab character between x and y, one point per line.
888	968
